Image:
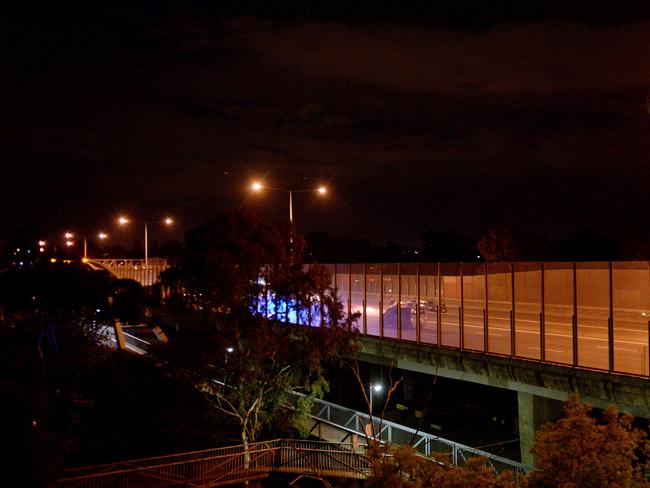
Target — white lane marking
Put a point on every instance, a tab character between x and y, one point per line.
547	349
555	334
618	349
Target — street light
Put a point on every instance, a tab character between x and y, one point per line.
257	187
167	221
100	235
376	387
69	242
229	350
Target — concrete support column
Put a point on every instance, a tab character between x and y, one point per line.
534	411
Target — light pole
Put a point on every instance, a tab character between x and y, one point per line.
257	187
101	236
166	221
376	387
69	242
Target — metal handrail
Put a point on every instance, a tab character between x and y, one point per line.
227	465
423	442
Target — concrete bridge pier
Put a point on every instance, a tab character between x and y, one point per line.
534	411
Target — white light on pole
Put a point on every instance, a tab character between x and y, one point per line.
374	387
257	187
167	221
101	236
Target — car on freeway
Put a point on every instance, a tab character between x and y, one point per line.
426	306
408	313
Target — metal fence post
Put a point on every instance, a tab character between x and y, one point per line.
542	320
513	342
461	310
575	316
610	321
439	314
364	301
418	331
486	335
399	302
381	300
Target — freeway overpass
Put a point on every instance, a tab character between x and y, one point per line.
541	329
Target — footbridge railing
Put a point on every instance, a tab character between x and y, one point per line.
227	465
443	450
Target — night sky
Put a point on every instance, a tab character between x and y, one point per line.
417	115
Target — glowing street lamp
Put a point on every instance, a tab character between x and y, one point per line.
101	236
166	221
374	387
257	187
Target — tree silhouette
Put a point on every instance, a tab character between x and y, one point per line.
498	245
243	276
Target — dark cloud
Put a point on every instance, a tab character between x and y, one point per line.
536	118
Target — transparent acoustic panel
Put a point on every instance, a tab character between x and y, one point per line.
317	311
450	304
307	309
528	309
343	287
429	298
558	312
373	295
474	306
631	303
499	293
592	294
391	311
356	294
409	299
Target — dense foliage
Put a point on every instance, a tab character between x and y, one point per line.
578	452
243	277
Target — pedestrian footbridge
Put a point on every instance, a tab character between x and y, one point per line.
236	464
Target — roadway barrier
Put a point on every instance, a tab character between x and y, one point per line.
582	315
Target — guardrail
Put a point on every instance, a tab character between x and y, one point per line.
443	450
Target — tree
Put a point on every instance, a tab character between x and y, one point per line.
221	268
578	452
402	467
245	277
498	245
